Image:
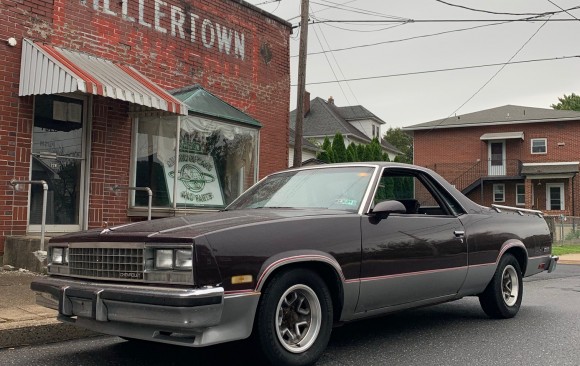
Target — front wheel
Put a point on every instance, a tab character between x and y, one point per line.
294	320
503	295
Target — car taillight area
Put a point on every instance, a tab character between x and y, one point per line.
134	262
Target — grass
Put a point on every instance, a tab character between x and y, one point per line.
565	249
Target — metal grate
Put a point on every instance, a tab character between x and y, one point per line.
117	263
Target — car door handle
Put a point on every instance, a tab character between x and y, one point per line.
459	233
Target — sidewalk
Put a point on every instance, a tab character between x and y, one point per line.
22	322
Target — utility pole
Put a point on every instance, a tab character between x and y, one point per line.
301	84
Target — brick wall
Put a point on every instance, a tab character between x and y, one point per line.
171	51
452	151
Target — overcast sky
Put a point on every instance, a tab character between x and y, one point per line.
406	100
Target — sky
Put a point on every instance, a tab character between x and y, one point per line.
410	99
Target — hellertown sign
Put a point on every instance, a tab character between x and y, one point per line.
179	22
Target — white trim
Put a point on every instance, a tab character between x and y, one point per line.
545	146
524	202
502	136
502	185
562	196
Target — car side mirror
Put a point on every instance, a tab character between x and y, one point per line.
385	208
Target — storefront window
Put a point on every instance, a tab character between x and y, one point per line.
215	164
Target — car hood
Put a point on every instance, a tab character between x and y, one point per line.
188	227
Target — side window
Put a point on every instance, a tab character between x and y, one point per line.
417	193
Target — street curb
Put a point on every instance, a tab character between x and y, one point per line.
568	261
36	332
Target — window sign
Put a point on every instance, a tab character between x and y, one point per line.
215	164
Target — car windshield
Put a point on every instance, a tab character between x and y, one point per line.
339	188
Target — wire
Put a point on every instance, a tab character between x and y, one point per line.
330	65
408	38
491	12
321	10
267	2
366	31
447	69
357	10
558	6
492	77
353	21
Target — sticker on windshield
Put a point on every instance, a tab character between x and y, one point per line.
346	202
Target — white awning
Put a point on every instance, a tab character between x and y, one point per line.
48	69
502	136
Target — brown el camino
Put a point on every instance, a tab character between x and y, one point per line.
299	252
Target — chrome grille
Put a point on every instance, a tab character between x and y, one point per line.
114	263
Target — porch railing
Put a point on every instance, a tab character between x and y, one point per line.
463	175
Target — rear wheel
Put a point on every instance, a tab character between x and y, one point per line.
294	320
503	295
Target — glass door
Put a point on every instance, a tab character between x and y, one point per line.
497	163
58	157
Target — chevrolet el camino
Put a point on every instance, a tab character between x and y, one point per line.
299	252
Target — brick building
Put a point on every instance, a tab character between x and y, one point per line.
189	98
511	155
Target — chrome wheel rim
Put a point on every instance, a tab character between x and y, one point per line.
510	285
298	318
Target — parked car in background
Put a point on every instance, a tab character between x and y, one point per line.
301	251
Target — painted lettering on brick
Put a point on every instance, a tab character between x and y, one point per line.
177	21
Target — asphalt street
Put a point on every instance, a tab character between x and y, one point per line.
545	332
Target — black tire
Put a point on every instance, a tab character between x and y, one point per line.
307	300
503	295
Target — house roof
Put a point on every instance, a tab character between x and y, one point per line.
356	112
508	114
326	119
199	100
306	145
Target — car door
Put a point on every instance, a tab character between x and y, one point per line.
415	256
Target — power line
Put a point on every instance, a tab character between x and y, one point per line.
446	69
337	64
328	7
354	21
357	10
366	31
330	66
492	77
408	38
500	13
559	7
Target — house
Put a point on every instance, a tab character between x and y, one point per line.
511	155
102	97
322	118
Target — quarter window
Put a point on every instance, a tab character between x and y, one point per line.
520	194
499	193
539	146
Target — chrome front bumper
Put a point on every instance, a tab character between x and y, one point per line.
171	308
181	316
552	264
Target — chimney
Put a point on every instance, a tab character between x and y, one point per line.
331	100
306	102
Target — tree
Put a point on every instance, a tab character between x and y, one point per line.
339	148
568	102
326	155
402	141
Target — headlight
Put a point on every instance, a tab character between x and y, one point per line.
183	259
57	256
66	255
164	258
